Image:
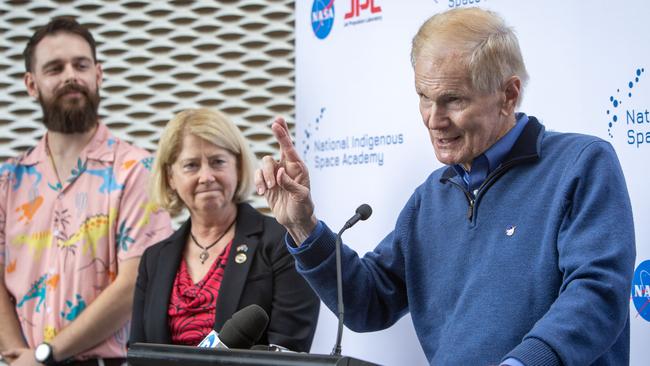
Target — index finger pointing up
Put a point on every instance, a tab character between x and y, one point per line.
281	133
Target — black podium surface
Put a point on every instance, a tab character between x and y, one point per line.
145	354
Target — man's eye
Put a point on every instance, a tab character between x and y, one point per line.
452	99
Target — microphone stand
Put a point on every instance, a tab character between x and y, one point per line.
339	293
363	212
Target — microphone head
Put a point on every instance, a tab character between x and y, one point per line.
245	327
364	211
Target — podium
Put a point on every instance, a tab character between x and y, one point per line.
147	354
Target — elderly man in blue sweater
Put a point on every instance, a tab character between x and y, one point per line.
535	224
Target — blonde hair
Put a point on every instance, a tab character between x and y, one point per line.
211	126
489	47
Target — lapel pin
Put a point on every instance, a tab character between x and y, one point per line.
242	248
240	258
510	231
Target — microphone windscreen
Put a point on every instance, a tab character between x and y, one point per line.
245	327
364	211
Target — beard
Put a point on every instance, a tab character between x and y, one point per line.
70	115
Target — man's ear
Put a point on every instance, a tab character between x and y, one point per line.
512	93
30	84
100	75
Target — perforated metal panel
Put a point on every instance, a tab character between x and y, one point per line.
160	58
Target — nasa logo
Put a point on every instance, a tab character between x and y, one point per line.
641	290
322	17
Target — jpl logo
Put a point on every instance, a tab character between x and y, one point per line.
357	5
322	17
641	290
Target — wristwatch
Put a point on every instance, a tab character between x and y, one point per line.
43	354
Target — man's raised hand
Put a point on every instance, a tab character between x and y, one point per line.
285	185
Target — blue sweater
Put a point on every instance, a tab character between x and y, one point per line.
537	267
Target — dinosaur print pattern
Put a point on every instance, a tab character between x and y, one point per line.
91	231
29	209
150	208
37	242
62	241
17	172
128	164
75	310
49	332
110	183
11	267
37	291
147	163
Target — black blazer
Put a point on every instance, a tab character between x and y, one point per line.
267	278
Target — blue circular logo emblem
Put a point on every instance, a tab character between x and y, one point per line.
322	17
641	289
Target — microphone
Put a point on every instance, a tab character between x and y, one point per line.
363	212
241	331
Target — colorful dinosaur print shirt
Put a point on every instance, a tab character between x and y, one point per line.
61	243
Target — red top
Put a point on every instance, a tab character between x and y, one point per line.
192	306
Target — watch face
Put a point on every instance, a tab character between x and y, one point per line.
42	352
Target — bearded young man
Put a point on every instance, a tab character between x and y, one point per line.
74	216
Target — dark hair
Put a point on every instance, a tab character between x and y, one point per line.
57	24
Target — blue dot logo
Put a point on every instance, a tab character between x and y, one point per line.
641	289
616	101
322	17
309	132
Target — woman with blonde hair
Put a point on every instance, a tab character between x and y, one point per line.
227	255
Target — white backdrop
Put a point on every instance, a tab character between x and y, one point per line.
588	64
